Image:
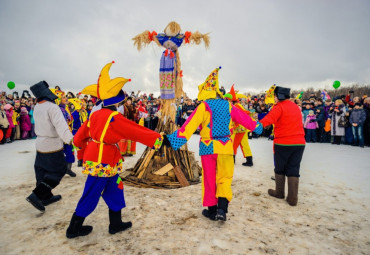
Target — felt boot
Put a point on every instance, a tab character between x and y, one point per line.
249	161
210	212
115	222
36	202
292	197
76	229
222	206
51	200
41	192
79	163
69	170
280	186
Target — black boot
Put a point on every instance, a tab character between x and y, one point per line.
51	200
223	204
115	222
36	202
76	229
69	170
249	161
210	212
79	163
41	192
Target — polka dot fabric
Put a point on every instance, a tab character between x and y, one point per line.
176	142
220	117
204	149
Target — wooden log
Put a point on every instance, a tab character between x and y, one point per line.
171	174
145	163
148	169
180	176
164	169
140	161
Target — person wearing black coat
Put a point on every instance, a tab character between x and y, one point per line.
320	118
357	120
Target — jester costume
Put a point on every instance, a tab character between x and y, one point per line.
102	160
214	116
239	133
68	148
289	144
79	116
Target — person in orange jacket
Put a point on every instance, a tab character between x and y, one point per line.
289	144
240	134
102	161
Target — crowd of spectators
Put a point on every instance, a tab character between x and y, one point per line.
341	120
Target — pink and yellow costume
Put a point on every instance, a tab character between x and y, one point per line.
215	118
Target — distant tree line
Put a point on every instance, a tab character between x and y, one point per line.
359	90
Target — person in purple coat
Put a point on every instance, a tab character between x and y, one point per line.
311	125
25	123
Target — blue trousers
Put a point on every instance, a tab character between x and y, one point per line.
348	135
311	135
68	152
358	135
95	187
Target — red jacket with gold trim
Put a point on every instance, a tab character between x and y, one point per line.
104	130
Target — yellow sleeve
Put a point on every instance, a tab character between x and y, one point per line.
182	135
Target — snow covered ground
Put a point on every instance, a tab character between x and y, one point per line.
331	216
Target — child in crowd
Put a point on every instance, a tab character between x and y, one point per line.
11	130
15	117
306	109
311	125
25	123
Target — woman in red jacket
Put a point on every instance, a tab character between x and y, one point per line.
289	144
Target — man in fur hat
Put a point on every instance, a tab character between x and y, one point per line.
289	144
52	132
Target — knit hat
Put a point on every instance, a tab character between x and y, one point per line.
41	90
358	104
210	89
8	107
310	112
24	110
282	93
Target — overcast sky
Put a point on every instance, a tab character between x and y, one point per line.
291	43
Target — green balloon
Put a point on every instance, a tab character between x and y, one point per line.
336	84
11	85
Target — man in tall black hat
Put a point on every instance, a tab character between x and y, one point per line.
52	132
289	144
